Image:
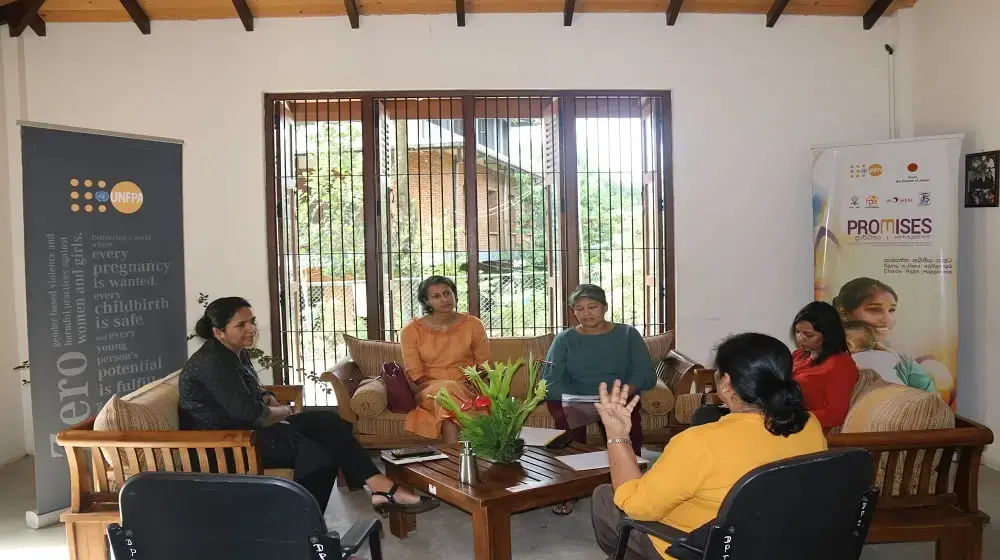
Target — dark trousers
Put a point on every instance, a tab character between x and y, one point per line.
317	444
579	434
708	414
605	516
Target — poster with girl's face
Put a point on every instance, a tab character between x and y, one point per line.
885	242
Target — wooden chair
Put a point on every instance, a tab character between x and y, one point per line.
816	506
100	462
165	516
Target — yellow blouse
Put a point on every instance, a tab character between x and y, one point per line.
687	484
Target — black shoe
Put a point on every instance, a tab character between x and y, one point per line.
425	504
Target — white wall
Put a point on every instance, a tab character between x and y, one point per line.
748	103
12	444
955	90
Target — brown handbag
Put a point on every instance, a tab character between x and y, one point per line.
397	388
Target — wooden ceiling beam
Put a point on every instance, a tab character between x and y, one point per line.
460	12
875	12
352	13
28	15
246	16
775	12
138	15
673	10
568	10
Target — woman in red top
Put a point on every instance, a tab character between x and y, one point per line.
822	364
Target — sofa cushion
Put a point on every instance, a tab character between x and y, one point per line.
658	401
385	424
371	354
891	408
520	348
658	346
371	398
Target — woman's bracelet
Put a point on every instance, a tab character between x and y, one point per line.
620	440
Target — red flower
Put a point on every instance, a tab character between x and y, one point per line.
482	402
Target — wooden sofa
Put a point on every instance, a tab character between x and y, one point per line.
927	463
362	400
101	460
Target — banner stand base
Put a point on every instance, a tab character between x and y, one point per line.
35	520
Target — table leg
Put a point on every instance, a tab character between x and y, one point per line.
491	532
401	524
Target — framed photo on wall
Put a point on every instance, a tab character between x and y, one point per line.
982	189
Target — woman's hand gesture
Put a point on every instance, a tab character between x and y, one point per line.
615	409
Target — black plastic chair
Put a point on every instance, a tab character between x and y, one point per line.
167	516
816	506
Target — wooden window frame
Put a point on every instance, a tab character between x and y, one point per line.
362	108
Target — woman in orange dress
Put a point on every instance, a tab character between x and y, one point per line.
435	349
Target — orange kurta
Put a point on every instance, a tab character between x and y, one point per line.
433	359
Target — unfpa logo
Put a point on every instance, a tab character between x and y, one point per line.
125	197
863	170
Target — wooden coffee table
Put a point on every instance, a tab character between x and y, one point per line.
537	480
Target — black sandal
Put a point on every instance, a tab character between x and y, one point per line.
425	504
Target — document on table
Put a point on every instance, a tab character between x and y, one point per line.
591	461
539	437
580	398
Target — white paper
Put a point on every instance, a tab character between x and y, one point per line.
581	398
539	437
390	459
590	461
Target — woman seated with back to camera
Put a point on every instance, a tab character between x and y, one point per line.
219	390
687	484
435	349
821	364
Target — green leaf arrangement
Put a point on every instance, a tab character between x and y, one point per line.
492	422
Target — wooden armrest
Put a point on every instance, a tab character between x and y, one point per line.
288	394
344	378
178	439
913	439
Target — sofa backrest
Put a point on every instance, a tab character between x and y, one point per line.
369	355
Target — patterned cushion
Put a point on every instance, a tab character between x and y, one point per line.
371	354
685	405
120	415
657	401
659	345
886	407
520	348
385	424
892	408
370	399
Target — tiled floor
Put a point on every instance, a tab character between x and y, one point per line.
443	533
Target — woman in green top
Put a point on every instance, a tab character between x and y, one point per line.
595	351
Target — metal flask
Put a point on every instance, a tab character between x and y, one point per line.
468	468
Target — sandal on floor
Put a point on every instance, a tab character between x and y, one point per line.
426	503
564	508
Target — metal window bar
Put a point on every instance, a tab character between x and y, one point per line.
322	249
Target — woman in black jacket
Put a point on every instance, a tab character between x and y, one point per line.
219	390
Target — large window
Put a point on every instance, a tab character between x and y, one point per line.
519	198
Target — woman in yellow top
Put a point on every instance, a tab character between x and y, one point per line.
686	486
435	348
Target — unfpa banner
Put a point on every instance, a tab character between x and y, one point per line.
104	268
885	235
